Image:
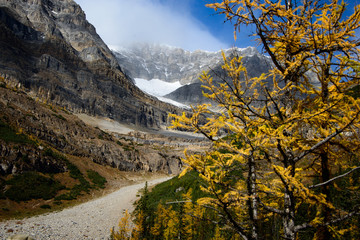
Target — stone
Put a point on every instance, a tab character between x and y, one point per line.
50	49
20	237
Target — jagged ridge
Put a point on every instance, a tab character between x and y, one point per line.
50	49
170	64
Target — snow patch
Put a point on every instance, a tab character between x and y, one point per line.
156	87
175	103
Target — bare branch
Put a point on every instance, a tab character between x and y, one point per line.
325	140
340	219
178	202
271	209
333	179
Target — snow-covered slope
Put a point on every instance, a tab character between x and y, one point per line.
171	72
159	89
156	87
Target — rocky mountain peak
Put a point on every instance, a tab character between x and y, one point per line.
172	64
49	48
151	62
62	19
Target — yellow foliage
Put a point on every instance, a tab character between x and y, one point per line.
288	123
124	232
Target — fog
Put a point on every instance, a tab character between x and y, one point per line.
122	22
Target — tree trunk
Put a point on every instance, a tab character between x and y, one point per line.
289	216
253	202
323	232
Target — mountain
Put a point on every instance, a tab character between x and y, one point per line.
58	82
51	50
150	62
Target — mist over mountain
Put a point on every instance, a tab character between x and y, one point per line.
50	49
175	65
54	67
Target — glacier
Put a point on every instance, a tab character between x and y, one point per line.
156	87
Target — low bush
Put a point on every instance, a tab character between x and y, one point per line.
45	206
8	134
75	173
96	178
32	185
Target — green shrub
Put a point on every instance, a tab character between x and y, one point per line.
49	152
59	116
174	188
45	206
2	186
10	135
96	178
32	185
354	92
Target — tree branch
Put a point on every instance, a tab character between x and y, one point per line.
340	219
333	179
325	140
270	209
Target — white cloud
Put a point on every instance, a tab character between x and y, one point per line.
121	22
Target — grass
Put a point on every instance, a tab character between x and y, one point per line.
45	206
59	116
75	173
8	134
96	178
174	188
32	185
2	187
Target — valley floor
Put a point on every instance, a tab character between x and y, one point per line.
90	220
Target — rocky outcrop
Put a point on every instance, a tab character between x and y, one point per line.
255	64
48	48
20	158
47	126
171	64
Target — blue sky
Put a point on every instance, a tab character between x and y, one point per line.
180	23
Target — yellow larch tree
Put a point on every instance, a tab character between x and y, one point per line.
284	141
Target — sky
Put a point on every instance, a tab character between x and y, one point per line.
188	24
180	23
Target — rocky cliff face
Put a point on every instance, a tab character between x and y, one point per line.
255	65
171	64
38	126
50	49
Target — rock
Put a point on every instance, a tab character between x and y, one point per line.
170	64
20	237
51	50
55	128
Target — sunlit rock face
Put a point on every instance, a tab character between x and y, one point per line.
171	64
49	48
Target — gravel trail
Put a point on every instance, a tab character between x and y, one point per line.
90	220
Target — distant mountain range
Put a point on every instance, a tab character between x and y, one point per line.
174	65
54	65
57	77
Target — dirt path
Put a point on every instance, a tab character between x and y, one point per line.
90	220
